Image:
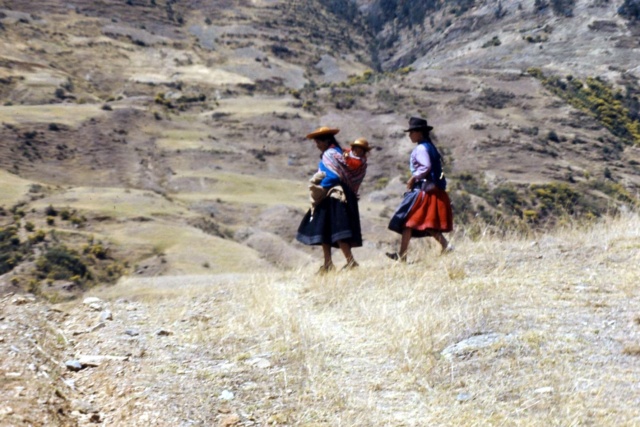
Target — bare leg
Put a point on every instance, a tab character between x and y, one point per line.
404	243
346	251
326	250
441	239
328	264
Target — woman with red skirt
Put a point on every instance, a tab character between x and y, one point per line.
426	208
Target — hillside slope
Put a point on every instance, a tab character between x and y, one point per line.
190	116
503	331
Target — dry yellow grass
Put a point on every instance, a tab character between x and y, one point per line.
365	348
117	203
240	188
69	114
255	105
13	188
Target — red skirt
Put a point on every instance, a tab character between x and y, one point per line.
431	211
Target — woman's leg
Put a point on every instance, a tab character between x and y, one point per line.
404	243
326	250
441	239
346	251
328	264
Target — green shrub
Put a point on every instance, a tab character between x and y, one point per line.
495	41
37	237
12	251
50	211
610	107
61	263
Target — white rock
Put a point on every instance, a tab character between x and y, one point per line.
226	395
91	300
472	344
543	390
259	362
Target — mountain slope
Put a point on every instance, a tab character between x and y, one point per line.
201	109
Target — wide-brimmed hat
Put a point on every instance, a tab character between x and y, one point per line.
362	143
416	123
322	131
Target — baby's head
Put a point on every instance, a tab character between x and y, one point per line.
358	151
360	147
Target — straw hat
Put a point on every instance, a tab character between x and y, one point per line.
321	131
362	143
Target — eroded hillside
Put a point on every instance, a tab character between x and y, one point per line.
152	122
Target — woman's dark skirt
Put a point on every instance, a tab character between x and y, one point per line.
423	212
332	221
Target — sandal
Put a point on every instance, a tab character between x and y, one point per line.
396	256
324	269
350	265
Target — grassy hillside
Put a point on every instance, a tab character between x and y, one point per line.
524	330
150	121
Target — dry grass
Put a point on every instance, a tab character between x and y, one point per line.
117	203
68	114
364	348
256	105
240	188
13	188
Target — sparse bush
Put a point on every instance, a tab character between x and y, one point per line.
37	237
97	250
611	108
630	9
494	98
281	51
77	221
11	249
553	136
495	41
563	7
50	211
61	263
65	214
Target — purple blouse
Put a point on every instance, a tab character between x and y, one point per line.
420	163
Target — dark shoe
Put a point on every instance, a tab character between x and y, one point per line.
350	265
324	269
396	256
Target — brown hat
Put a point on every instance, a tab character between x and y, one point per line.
362	143
321	131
